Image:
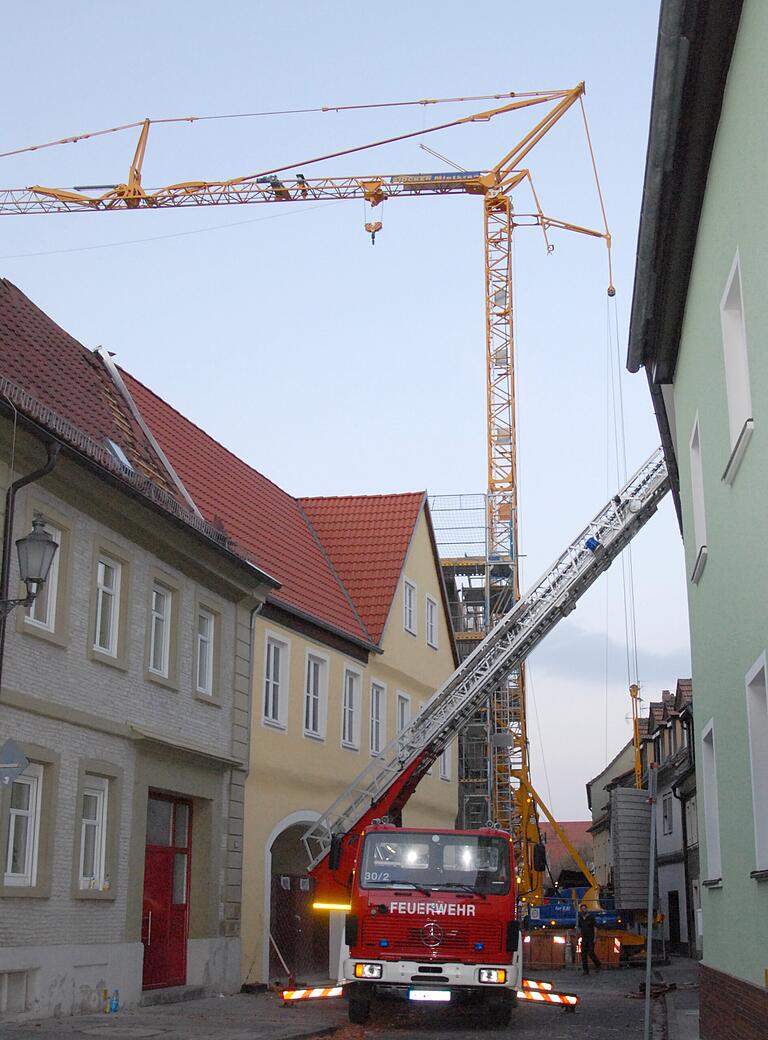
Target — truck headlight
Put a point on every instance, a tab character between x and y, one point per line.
368	971
493	975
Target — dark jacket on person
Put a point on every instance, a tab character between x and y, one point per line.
587	928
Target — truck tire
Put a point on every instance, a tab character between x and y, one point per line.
499	1014
359	1010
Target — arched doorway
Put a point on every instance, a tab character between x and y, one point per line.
298	936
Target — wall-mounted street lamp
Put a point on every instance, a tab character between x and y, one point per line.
36	553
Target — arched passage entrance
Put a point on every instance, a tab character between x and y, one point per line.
298	939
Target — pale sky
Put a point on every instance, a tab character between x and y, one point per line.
336	367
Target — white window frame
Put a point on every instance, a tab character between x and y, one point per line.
273	641
204	650
161	620
697	499
48	592
711	803
102	595
312	656
430	620
736	361
377	725
351	696
445	763
402	699
756	688
32	777
410	602
667	820
96	787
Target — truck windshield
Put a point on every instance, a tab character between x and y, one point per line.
461	862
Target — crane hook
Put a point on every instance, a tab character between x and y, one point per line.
373	227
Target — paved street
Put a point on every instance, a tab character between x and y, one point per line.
606	1013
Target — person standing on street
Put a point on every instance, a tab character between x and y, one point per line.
587	934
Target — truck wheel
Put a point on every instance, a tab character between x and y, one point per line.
498	1015
359	1010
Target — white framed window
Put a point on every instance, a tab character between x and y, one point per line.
42	612
409	606
377	732
205	633
757	723
697	495
445	763
734	334
160	630
402	711
350	710
431	622
93	832
276	677
666	814
315	695
108	576
24	828
711	803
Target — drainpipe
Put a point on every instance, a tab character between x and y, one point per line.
53	448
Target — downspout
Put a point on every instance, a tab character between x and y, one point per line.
53	448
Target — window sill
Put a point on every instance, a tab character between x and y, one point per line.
166	681
350	747
698	567
274	724
737	454
209	698
759	875
24	892
104	658
46	634
93	894
410	631
713	883
318	737
432	646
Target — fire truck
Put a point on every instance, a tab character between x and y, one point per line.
432	915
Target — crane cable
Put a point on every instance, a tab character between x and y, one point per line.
615	410
279	112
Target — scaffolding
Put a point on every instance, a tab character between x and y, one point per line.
480	587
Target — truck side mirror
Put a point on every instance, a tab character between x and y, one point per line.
540	857
334	855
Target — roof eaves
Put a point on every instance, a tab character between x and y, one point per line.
342	633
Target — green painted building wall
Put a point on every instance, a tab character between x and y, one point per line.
729	606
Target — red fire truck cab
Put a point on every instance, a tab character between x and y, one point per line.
433	918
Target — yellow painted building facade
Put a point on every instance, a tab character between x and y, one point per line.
306	749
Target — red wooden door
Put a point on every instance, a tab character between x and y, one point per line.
166	891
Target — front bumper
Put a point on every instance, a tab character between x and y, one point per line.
452	975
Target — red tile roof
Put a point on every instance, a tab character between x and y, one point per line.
367	538
45	361
263	519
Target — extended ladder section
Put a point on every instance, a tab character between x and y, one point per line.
503	650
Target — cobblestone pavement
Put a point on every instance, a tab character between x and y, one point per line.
606	1013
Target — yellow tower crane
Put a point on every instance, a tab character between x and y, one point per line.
514	801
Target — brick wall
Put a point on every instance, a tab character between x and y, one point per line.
731	1009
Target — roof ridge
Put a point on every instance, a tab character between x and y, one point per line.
380	495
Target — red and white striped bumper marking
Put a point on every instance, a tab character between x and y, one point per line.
533	984
542	997
312	994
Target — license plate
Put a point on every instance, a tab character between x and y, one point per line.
442	995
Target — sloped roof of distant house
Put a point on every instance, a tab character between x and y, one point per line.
65	391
